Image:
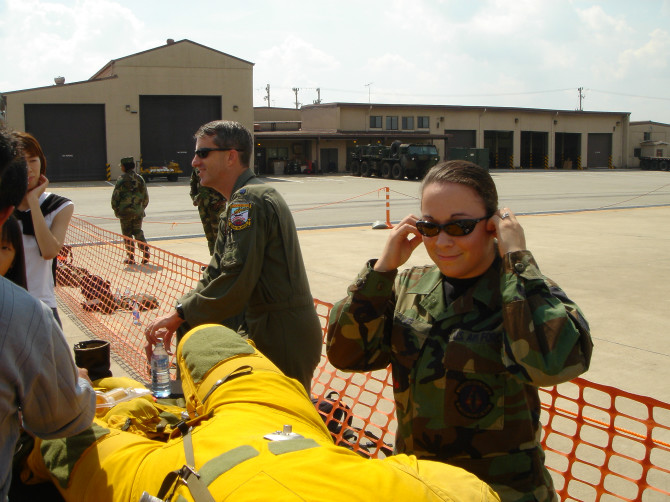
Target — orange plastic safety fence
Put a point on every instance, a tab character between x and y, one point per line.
601	443
606	444
113	300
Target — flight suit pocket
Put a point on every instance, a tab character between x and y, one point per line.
407	340
475	378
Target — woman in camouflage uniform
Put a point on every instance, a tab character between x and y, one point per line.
129	200
469	338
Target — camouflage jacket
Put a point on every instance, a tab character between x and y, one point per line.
257	269
465	375
205	196
130	196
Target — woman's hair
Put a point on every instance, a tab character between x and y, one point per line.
32	148
11	233
468	174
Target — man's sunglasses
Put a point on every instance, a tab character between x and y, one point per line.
204	152
455	228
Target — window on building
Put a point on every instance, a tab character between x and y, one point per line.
280	153
392	123
408	123
637	152
375	121
647	136
423	122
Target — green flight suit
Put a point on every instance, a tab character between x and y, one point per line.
465	375
210	204
257	268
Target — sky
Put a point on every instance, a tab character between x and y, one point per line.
517	53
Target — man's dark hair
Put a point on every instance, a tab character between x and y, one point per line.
13	171
229	134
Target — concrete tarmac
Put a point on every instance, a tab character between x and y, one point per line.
614	264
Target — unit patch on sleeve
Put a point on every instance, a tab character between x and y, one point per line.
239	215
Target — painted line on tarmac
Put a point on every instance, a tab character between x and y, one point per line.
369	225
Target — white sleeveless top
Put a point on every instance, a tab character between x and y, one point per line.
39	273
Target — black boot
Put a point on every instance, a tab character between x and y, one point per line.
94	356
130	250
145	251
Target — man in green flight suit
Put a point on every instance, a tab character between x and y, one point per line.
129	200
210	204
257	267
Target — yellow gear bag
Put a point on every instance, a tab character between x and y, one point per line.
238	404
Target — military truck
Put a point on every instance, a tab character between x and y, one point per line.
397	161
170	170
654	156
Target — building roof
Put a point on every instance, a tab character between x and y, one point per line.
100	74
332	134
648	122
460	108
170	42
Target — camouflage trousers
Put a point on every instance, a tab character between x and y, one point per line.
209	215
132	228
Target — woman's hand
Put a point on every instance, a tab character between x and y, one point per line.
32	197
401	243
508	230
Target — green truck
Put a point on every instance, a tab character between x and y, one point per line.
397	161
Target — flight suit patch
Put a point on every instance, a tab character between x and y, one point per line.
239	216
474	399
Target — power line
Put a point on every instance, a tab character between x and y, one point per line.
629	95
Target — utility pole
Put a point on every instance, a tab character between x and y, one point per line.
318	96
581	96
368	86
296	89
267	98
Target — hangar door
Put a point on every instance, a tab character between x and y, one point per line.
167	126
534	149
568	150
501	148
599	149
73	139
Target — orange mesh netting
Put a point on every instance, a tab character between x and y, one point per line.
102	292
601	443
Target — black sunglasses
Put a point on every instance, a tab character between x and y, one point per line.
455	228
204	152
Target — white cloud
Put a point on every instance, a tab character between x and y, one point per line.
431	51
46	38
293	63
651	56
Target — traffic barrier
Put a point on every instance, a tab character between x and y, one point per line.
601	443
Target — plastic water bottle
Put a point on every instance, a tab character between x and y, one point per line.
160	374
136	314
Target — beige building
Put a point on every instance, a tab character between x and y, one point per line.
649	140
512	137
146	105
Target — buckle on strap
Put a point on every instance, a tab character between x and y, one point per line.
188	477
